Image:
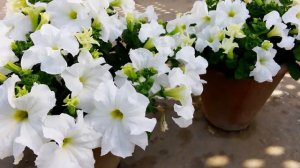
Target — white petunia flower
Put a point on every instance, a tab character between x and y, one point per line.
120	117
65	14
83	78
231	12
111	26
126	5
19	25
72	146
293	16
192	68
210	36
228	45
279	30
200	10
178	88
21	118
95	6
142	58
235	31
48	43
165	45
6	53
265	67
149	14
151	30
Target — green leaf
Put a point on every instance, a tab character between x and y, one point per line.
296	52
294	70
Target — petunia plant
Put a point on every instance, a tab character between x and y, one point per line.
244	39
77	75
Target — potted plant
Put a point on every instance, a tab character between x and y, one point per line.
249	46
77	77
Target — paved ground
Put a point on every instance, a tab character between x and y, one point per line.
272	140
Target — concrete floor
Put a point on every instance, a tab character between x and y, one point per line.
271	141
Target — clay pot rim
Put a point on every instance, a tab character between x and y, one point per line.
216	71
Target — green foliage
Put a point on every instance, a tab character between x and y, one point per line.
131	38
212	4
144	80
258	9
294	70
41	77
296	52
19	47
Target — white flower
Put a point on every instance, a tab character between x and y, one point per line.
95	6
231	12
265	67
210	36
296	2
142	58
83	78
179	89
21	118
6	53
19	25
228	46
149	14
111	26
4	28
293	16
235	31
126	5
73	143
120	117
200	10
68	15
48	43
192	68
280	30
165	45
151	30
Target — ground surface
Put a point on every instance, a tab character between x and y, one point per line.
272	140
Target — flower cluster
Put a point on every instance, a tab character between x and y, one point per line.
77	75
245	38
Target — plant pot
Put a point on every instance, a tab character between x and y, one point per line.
232	104
107	161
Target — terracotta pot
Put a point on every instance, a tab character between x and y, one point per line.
232	104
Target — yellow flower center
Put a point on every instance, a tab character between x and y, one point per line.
73	15
67	141
82	79
298	15
54	47
231	13
117	114
20	115
206	19
262	61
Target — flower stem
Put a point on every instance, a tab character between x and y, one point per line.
13	67
259	2
2	77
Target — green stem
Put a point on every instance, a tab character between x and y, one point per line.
2	77
259	2
149	44
159	93
13	67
